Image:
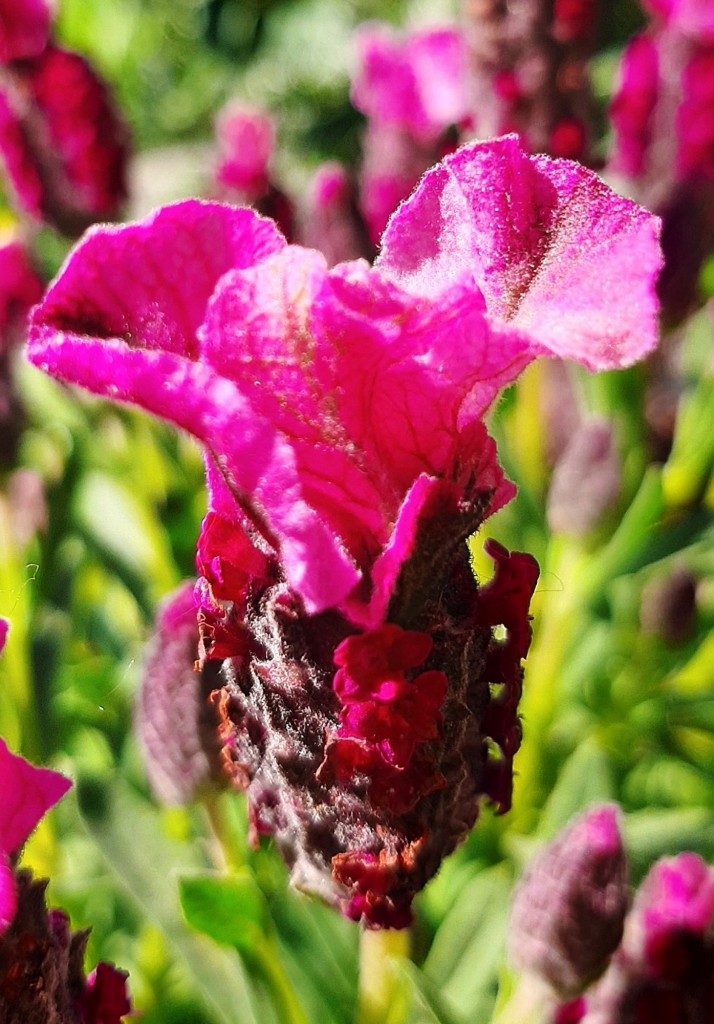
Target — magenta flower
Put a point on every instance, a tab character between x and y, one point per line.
663	970
569	908
416	82
26	794
63	145
663	141
332	222
246	139
341	413
412	89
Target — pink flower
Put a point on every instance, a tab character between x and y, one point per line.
246	140
24	28
411	89
332	222
26	794
569	908
63	145
663	971
341	412
416	82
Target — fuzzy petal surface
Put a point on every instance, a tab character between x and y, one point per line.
26	794
554	251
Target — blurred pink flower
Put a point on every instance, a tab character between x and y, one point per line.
24	28
63	144
341	411
411	88
26	794
245	139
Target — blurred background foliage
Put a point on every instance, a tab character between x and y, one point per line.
616	707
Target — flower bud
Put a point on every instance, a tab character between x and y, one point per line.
586	481
568	911
668	607
173	717
663	972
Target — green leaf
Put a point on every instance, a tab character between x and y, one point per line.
128	831
231	909
424	1003
466	954
651	834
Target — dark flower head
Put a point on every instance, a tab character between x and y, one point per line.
366	703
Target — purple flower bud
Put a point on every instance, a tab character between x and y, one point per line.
668	607
174	719
569	908
332	222
586	481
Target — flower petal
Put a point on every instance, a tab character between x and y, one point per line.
553	249
148	283
24	28
26	794
8	895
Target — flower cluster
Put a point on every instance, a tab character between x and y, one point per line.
63	145
570	923
366	701
663	150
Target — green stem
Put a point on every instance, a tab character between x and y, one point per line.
377	978
557	618
231	851
273	975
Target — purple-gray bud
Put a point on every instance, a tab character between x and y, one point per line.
175	721
568	911
586	481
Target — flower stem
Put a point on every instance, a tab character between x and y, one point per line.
227	845
377	978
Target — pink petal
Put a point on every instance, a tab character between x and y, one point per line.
148	283
26	794
24	28
258	333
417	83
4	630
8	895
694	18
554	251
246	139
420	371
633	106
20	289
